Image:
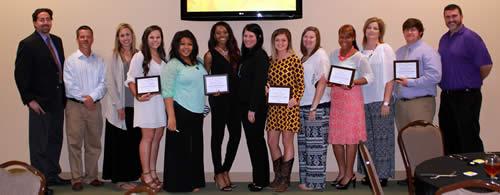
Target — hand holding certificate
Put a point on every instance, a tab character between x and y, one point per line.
216	84
279	95
406	69
341	75
149	84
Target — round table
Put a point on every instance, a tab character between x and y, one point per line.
446	165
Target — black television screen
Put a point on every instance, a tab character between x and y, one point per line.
240	9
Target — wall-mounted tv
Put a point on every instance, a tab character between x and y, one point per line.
214	10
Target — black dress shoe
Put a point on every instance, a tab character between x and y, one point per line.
254	187
78	186
366	181
403	182
49	191
57	181
383	182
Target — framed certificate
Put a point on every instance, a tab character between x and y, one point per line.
149	84
216	83
341	75
279	95
406	69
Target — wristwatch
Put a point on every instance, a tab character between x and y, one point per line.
386	103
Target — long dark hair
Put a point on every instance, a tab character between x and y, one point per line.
176	43
255	29
231	44
145	48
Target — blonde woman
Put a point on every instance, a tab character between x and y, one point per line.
379	110
121	162
284	120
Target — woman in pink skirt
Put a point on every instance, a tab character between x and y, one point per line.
347	117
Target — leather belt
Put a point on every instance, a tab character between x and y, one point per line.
408	99
80	102
461	91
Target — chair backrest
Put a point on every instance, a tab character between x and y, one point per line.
419	141
20	178
141	189
459	188
370	169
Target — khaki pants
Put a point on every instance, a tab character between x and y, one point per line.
83	127
415	109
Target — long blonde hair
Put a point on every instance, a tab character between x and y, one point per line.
118	46
288	35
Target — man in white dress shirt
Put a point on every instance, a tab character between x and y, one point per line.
84	74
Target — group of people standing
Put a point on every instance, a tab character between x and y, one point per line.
319	113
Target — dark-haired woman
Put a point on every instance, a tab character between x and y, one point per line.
149	112
347	116
223	57
253	107
184	97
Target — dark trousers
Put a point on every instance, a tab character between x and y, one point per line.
184	169
254	133
459	121
45	141
224	112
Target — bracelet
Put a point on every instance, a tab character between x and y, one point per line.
312	109
386	103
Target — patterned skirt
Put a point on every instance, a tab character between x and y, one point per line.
283	118
347	116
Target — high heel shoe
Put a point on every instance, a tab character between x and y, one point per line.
228	180
336	181
341	186
221	187
156	179
150	184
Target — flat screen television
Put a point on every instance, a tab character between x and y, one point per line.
215	10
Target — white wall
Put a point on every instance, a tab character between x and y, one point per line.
327	15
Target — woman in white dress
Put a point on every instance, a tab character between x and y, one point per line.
149	112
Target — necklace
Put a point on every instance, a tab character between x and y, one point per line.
222	51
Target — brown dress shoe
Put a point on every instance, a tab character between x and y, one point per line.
77	186
96	183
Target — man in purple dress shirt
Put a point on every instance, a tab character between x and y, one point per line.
466	63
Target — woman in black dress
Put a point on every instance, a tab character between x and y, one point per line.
223	57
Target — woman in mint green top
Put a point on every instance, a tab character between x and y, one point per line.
184	96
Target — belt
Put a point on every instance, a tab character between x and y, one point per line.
461	91
408	99
80	102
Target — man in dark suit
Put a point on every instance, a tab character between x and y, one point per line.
38	75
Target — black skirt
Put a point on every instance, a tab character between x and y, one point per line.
121	151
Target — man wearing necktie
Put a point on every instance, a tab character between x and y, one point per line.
38	75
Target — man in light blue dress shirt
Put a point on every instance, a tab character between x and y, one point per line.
415	98
84	74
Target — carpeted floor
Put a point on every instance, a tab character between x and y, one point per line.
108	188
